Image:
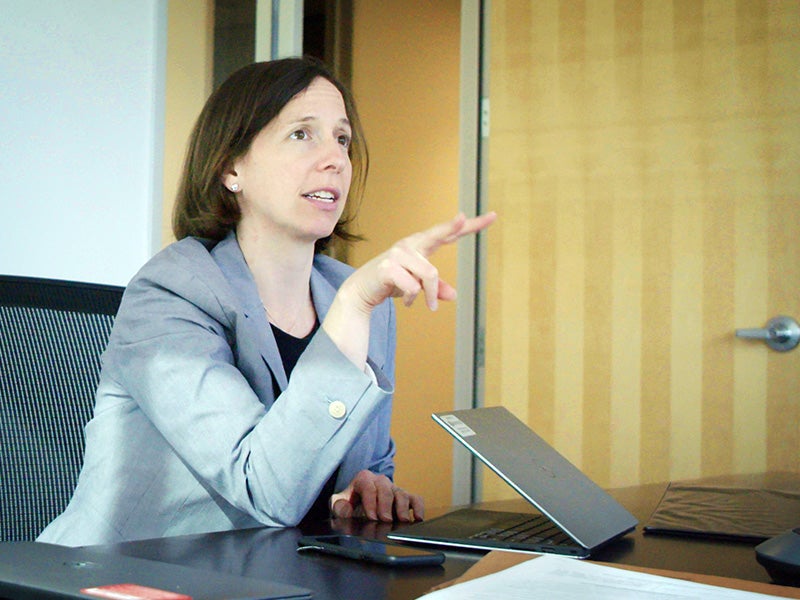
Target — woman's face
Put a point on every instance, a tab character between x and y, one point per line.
294	179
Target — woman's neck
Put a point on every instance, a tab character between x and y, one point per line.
282	272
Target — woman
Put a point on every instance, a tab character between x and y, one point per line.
198	425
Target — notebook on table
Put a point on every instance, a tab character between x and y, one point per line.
33	570
575	516
740	508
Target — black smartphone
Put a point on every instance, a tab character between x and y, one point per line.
377	551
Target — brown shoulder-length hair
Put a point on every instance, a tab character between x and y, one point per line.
231	118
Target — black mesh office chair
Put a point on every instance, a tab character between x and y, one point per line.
51	336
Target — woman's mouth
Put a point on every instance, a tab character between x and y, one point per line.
322	196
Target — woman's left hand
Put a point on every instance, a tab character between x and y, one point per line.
403	271
375	497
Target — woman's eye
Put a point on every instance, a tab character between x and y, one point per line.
299	135
344	140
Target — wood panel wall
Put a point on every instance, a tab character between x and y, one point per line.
644	156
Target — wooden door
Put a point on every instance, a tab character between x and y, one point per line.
644	156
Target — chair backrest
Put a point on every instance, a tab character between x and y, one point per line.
52	334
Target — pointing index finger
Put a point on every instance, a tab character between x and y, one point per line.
450	231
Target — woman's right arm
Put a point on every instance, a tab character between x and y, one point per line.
172	352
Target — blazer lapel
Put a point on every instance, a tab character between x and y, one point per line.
322	293
229	256
230	259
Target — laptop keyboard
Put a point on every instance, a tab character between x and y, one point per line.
536	529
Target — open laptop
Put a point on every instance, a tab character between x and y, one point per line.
33	570
576	516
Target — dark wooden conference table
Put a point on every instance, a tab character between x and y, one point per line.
270	553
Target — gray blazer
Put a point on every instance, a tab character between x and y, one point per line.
187	435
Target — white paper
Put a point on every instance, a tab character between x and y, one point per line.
562	578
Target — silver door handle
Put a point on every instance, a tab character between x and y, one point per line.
781	333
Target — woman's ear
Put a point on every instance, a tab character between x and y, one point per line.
230	180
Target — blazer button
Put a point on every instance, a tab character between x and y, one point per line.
337	409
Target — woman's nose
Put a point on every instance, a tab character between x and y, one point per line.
334	156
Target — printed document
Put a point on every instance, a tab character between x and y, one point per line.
561	578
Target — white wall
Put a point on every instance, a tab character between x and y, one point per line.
81	136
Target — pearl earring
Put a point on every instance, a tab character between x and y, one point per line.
234	187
